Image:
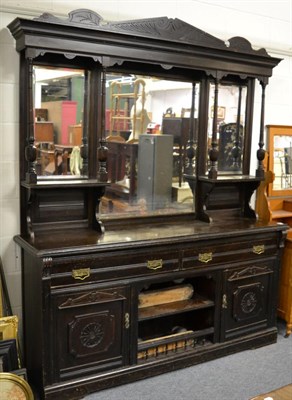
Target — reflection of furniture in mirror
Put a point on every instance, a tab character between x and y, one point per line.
227	147
75	135
44	141
63	113
127	112
274	203
85	273
179	128
44	132
122	172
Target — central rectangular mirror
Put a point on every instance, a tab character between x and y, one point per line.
147	125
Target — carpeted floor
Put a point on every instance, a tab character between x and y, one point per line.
236	377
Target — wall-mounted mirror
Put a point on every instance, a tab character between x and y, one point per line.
280	160
58	119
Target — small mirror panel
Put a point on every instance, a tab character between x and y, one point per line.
58	120
230	126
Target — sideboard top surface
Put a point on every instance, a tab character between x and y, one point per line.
144	235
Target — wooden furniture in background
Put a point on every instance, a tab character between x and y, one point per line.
285	292
44	132
41	114
75	135
276	205
179	128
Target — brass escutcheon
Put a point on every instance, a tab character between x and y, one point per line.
205	257
81	274
258	249
127	320
154	264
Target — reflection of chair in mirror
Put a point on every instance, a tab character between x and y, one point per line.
127	113
227	147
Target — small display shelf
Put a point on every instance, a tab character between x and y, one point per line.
176	307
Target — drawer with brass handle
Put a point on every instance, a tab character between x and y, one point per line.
104	267
217	253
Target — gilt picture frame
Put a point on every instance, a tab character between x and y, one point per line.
8	355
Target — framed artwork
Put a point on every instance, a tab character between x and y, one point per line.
8	355
21	372
14	387
8	327
220	113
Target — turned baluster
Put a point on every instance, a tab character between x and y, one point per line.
213	151
102	152
191	146
84	145
30	149
260	172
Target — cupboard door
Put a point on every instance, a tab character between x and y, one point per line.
247	299
91	331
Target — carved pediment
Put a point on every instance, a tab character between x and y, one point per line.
164	28
169	29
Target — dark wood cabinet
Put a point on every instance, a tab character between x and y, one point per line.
84	312
109	298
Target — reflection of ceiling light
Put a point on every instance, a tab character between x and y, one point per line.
46	74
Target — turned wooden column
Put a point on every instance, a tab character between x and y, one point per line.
102	151
260	172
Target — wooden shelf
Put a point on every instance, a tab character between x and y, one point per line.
280	214
176	307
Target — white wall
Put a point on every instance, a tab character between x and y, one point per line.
264	23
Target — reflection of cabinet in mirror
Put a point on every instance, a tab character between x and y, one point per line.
179	128
85	272
63	113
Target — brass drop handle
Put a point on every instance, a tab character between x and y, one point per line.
224	301
81	274
205	257
154	264
258	249
127	321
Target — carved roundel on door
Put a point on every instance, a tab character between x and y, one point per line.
91	335
247	301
